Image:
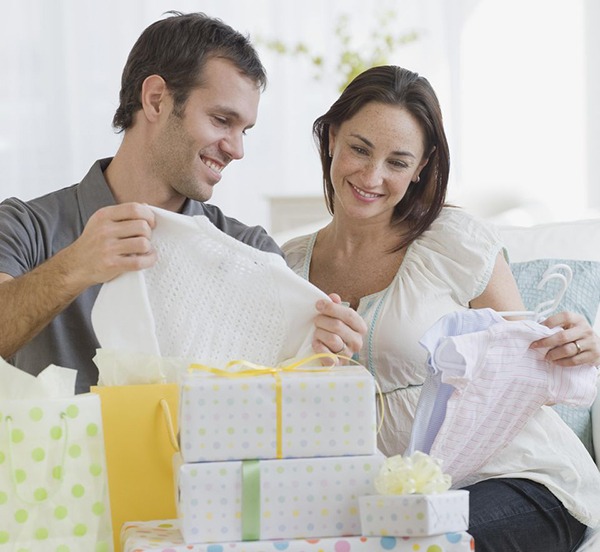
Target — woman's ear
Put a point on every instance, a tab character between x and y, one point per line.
417	176
332	134
153	95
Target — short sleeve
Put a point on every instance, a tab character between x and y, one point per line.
17	238
461	250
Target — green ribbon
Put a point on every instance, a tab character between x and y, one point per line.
250	500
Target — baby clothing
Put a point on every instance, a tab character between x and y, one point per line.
210	298
498	383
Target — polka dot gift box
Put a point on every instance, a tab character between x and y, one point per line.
53	484
414	500
164	536
414	515
269	499
305	412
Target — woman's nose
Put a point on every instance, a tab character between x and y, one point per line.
372	175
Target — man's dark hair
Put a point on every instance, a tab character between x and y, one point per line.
177	48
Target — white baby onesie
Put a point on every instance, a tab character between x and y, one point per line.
210	298
499	383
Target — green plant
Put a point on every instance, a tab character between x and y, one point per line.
352	59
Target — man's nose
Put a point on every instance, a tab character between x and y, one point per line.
233	146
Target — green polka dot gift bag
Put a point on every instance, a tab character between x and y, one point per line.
53	482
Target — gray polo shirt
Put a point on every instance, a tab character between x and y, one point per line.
31	232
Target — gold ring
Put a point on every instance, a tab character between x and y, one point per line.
578	347
343	347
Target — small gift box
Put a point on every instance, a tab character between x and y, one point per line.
414	500
273	499
414	515
163	536
287	412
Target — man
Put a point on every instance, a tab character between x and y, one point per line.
189	92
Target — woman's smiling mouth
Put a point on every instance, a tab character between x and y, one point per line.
364	194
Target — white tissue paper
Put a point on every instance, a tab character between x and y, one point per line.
129	368
51	383
210	298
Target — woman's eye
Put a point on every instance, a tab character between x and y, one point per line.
398	164
358	149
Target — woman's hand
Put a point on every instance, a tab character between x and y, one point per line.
574	345
339	329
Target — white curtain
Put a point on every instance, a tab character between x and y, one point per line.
61	62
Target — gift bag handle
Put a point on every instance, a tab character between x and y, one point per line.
169	423
11	466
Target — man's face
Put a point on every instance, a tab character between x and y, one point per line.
193	147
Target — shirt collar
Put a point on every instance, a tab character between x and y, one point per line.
94	193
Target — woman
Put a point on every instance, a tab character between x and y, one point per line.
403	259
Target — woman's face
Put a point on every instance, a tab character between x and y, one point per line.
375	157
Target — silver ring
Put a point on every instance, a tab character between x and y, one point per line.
578	347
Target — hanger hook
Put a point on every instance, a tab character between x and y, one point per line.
555	268
544	308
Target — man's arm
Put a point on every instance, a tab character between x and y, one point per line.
116	239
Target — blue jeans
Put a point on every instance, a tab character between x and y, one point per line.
519	515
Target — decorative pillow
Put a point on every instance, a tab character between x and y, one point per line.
582	296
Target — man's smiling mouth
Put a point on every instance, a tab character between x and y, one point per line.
213	165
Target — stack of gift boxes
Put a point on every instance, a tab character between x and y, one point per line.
272	455
272	458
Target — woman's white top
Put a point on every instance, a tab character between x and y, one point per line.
442	271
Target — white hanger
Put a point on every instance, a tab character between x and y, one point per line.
545	308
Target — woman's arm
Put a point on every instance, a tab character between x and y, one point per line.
501	293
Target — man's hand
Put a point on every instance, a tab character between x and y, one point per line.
116	239
339	329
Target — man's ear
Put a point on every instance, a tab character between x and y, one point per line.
154	97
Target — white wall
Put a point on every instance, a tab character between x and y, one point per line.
510	74
522	131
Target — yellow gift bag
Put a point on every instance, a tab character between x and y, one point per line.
140	428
